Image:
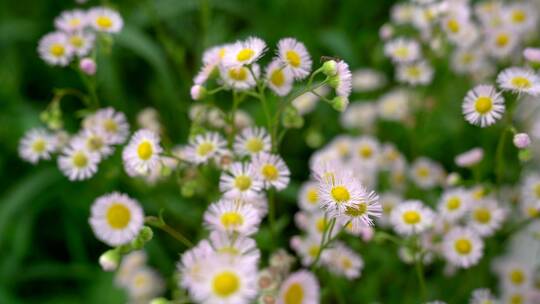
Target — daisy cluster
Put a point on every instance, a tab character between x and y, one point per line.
75	36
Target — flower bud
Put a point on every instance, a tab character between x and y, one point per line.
109	260
386	32
453	179
340	103
88	66
522	140
197	92
329	68
532	55
160	301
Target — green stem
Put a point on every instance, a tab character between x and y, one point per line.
327	234
420	275
499	156
160	224
272	214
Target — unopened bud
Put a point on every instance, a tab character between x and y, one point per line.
340	103
329	68
109	260
522	140
88	66
197	92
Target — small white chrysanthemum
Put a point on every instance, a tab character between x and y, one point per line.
394	105
361	213
388	202
483	105
205	147
519	80
530	189
300	287
501	42
235	246
482	296
252	141
402	50
116	219
232	216
240	77
486	217
468	60
77	163
37	144
462	247
520	16
516	275
106	20
142	153
366	151
342	81
454	204
426	173
81	42
244	52
191	263
240	182
415	73
411	217
109	122
225	280
279	78
55	49
271	170
143	285
308	196
71	21
294	55
365	80
469	158
359	115
94	142
342	260
340	190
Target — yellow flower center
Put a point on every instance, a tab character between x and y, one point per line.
221	53
75	22
242	182
502	40
205	148
277	77
537	190
245	54
118	216
77	41
80	160
140	280
321	224
39	145
57	50
463	246
294	294
340	194
254	145
517	277
411	217
231	219
519	16
94	143
479	193
516	299
110	125
270	172
356	211
414	71
453	203
533	212
104	22
229	250
482	215
365	151
312	196
423	172
401	52
145	150
467	58
293	58
387	208
238	74
226	283
346	263
313	251
453	25
521	82
483	104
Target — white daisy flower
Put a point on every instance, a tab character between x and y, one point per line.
144	284
365	80
94	142
530	189
71	21
411	217
271	170
483	105
462	247
486	217
468	60
55	49
252	141
339	191
388	201
240	182
279	78
232	216
129	264
314	223
77	163
235	246
342	81
426	173
454	204
519	80
116	219
402	13
142	153
81	42
530	208
106	20
294	55
192	262
402	50
415	73
469	158
361	214
343	261
111	123
307	248
205	147
240	77
513	296
244	52
516	275
308	196
501	42
226	280
359	115
394	105
482	296
521	17
37	144
299	287
366	151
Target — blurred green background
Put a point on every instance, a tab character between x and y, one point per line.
47	251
